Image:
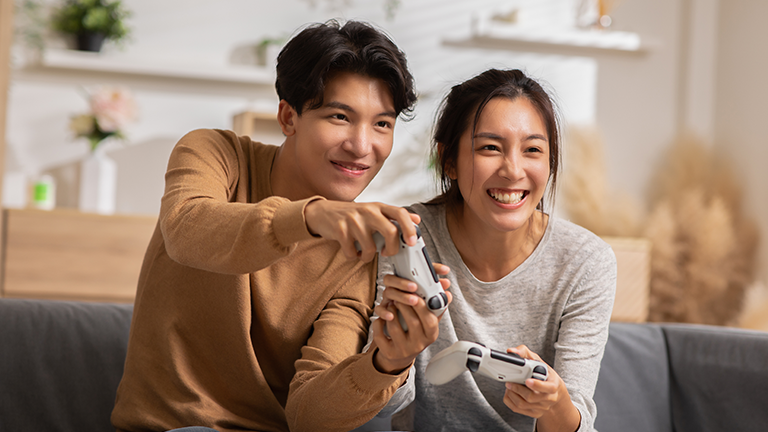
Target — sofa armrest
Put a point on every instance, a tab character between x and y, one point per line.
632	393
60	364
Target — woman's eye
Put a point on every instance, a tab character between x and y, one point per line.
339	116
489	147
383	124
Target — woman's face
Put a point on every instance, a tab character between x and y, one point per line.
503	175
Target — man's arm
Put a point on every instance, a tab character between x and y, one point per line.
335	388
206	218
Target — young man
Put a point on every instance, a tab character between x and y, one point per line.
252	303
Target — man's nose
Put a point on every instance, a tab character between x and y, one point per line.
359	142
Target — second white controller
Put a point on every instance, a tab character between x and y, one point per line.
501	366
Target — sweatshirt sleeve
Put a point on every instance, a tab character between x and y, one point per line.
206	216
337	388
584	332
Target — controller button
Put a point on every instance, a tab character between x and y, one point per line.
475	352
508	357
540	370
418	231
429	264
437	302
473	365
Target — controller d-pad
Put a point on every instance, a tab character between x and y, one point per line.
473	365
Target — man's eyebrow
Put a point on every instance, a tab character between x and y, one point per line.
345	107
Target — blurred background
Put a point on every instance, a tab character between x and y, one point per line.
661	102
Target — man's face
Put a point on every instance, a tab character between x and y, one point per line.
339	147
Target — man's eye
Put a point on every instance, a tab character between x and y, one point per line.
339	116
384	124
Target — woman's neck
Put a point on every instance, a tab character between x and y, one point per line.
491	254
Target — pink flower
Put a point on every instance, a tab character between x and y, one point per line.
113	108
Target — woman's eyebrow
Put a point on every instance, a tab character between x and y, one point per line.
488	135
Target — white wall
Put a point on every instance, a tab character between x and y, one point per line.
639	102
740	109
206	33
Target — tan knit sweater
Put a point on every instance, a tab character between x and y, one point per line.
243	320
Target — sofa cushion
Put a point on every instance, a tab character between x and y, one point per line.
719	378
632	392
60	364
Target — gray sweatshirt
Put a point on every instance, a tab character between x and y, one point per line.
558	302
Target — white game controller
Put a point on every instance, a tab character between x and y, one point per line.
501	366
413	263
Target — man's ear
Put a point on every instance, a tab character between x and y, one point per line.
286	117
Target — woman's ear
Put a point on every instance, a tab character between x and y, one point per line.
286	117
450	169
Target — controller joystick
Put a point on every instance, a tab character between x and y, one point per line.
500	366
413	263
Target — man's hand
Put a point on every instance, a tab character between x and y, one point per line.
398	351
547	401
347	222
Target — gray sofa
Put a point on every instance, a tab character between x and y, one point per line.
61	362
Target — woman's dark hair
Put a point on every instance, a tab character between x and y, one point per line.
461	109
319	51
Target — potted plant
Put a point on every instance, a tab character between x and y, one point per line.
92	22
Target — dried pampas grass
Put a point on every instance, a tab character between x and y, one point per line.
703	248
587	198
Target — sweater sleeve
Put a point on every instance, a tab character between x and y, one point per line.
584	332
206	216
337	388
406	393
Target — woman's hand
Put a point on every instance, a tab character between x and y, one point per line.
350	222
398	351
548	401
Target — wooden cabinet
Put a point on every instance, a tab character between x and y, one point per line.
69	255
633	279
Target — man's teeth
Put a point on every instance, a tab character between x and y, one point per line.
351	168
507	198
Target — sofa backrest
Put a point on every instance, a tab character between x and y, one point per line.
60	364
719	378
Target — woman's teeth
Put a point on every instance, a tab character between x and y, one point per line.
506	197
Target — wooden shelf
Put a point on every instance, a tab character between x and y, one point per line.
80	61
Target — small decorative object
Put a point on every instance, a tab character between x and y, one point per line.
111	109
267	50
594	13
44	193
92	22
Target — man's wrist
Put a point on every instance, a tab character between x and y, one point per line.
387	366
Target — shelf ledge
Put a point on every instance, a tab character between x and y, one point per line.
489	33
104	63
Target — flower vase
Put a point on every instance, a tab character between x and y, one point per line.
98	183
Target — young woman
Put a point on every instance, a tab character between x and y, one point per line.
521	279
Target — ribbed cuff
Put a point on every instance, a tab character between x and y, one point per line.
365	374
289	223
